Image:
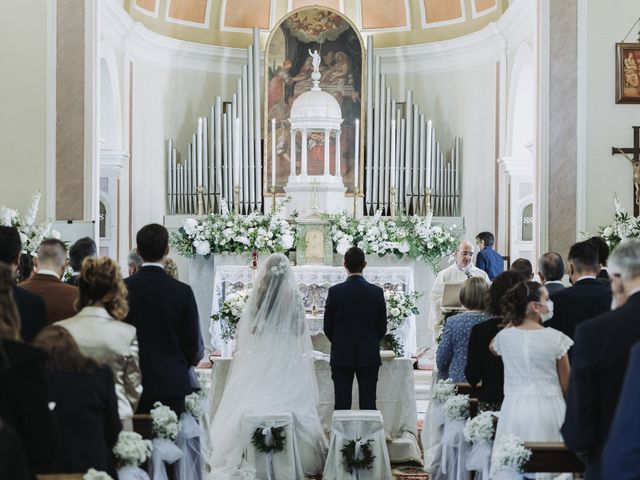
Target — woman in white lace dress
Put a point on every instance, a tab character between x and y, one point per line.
272	372
536	367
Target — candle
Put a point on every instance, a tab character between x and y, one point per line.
356	159
199	152
393	153
273	153
236	153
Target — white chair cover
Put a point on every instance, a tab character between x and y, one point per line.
353	425
164	451
273	465
189	466
454	451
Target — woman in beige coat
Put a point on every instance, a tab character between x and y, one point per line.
100	333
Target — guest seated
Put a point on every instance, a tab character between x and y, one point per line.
83	248
100	333
551	271
451	356
587	298
33	313
58	297
599	362
86	407
482	366
488	259
523	267
23	391
536	367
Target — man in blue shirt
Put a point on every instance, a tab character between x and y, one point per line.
488	259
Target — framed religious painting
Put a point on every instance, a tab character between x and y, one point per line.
627	73
288	68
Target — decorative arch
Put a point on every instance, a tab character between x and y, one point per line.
111	132
521	103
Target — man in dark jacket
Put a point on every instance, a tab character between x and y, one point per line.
355	320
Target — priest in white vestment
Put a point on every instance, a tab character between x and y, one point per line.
458	272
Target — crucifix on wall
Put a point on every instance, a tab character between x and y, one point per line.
635	162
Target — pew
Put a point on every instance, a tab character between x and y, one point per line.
552	458
61	476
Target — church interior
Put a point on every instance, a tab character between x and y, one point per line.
248	128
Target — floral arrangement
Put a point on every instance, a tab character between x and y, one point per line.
93	474
193	404
442	390
31	233
623	226
230	312
131	449
457	407
399	307
479	428
362	460
228	232
412	236
509	455
164	422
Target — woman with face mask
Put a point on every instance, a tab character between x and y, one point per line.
536	367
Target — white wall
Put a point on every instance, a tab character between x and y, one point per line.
607	124
166	103
23	108
462	103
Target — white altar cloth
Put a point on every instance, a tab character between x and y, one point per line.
396	400
321	275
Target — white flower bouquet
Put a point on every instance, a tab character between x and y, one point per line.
193	404
413	237
399	307
32	234
228	232
230	312
93	474
456	407
479	428
509	455
164	422
623	226
132	449
442	390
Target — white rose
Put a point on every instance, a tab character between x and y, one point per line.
403	247
190	225
344	244
202	247
608	231
23	238
55	234
287	241
395	311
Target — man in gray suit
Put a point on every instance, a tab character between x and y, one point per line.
551	271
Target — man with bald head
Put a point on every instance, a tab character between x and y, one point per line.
458	272
59	298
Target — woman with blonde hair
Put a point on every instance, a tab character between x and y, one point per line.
100	333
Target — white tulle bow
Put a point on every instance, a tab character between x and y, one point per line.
189	466
164	451
132	472
479	458
454	450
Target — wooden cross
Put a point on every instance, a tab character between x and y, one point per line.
635	162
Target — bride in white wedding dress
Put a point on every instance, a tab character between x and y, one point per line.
271	372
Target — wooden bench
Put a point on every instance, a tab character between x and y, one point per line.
552	458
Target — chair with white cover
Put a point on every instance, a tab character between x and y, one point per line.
361	427
273	465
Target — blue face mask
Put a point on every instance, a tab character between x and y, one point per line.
547	316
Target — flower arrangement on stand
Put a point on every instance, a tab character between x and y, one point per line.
165	430
229	314
231	233
32	234
509	456
623	226
413	237
400	306
479	431
131	451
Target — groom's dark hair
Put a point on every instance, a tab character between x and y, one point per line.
354	260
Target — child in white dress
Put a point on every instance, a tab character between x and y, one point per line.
536	367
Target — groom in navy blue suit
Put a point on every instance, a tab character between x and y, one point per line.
355	320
